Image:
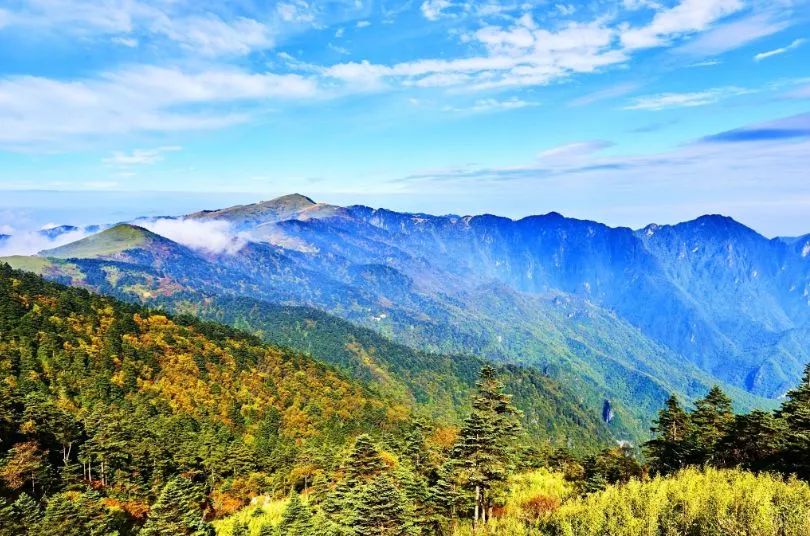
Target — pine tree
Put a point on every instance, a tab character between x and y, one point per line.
796	413
267	530
710	422
239	528
364	462
754	442
297	518
9	523
485	449
670	449
382	510
27	512
177	511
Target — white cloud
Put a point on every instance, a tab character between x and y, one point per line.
492	105
298	12
129	42
135	99
30	242
663	101
565	9
209	35
688	16
432	9
572	151
215	236
123	20
732	35
793	45
362	24
139	157
611	92
520	55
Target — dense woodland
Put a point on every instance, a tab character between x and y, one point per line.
119	420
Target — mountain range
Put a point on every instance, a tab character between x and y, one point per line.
619	317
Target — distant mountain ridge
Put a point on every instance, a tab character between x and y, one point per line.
628	315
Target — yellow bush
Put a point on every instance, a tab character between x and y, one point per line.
707	502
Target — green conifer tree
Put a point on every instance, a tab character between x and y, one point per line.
177	511
754	442
487	442
796	413
710	422
669	450
239	528
296	519
26	512
382	510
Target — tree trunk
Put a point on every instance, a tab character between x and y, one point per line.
477	504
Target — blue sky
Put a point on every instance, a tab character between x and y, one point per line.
625	111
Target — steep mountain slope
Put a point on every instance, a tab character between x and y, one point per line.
135	397
539	291
435	385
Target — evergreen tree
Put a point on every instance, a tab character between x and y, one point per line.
26	512
753	441
710	422
239	528
669	450
610	466
362	465
487	441
267	530
364	462
382	510
9	524
177	511
796	413
296	519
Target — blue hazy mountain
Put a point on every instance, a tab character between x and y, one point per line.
623	315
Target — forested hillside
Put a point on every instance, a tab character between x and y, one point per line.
103	404
557	295
120	420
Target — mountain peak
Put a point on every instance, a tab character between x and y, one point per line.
279	208
297	199
116	239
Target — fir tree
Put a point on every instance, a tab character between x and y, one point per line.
487	441
382	510
267	530
177	511
710	422
26	512
9	524
669	450
753	441
239	528
297	518
796	413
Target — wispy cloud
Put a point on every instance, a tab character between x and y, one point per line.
729	167
612	92
686	17
140	157
735	34
32	241
662	101
795	127
215	236
134	99
491	105
775	52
